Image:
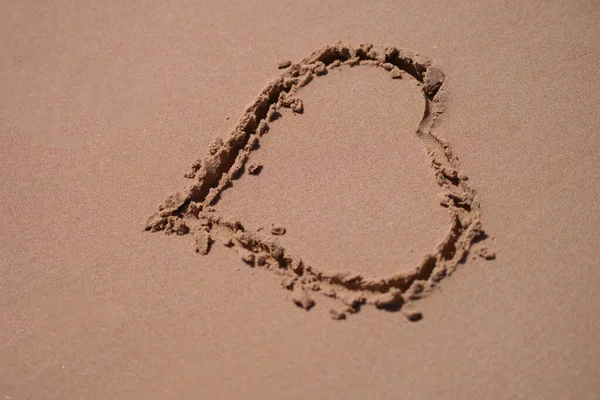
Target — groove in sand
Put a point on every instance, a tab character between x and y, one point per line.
194	210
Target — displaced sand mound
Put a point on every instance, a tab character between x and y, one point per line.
195	210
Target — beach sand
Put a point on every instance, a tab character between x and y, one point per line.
366	199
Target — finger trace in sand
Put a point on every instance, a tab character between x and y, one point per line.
195	209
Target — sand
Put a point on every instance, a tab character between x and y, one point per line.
384	192
196	210
484	208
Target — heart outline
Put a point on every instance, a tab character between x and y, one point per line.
193	211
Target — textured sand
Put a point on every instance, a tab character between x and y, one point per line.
333	157
104	108
197	210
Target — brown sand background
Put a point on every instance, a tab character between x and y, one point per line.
104	107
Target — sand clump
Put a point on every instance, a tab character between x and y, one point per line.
337	314
255	168
486	253
194	211
301	298
284	64
277	230
412	314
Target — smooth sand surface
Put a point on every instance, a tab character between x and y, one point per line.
104	108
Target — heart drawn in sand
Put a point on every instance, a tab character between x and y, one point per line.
195	210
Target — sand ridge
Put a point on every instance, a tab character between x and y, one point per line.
195	210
